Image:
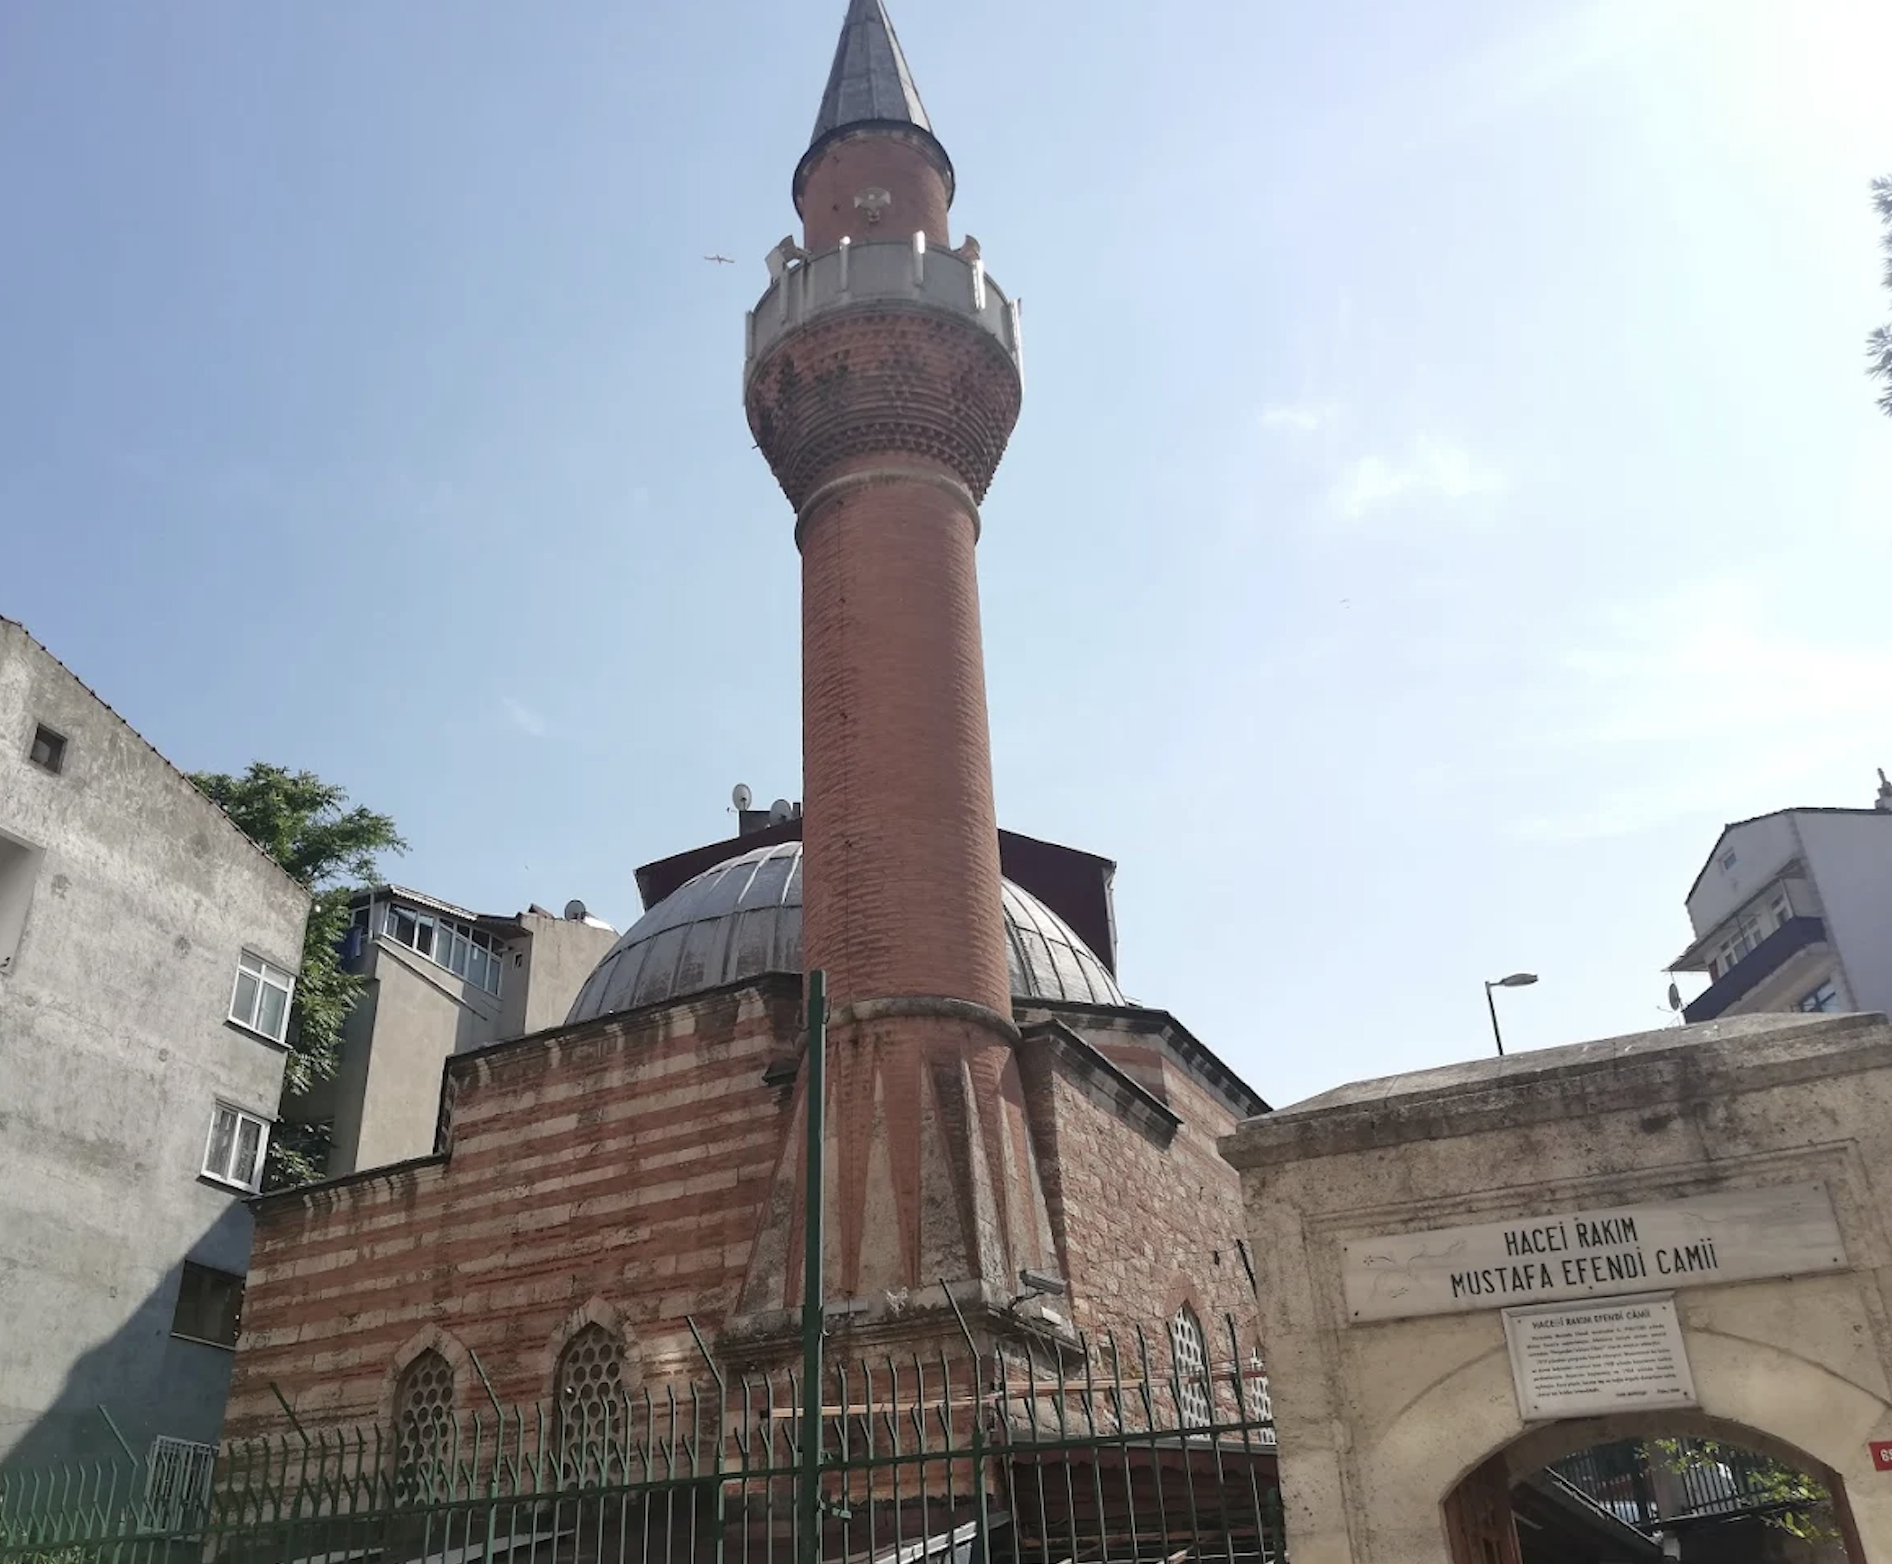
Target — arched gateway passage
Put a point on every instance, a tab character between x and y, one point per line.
1650	1487
1470	1275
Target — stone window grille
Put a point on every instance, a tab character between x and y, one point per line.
1256	1402
591	1408
423	1428
1192	1370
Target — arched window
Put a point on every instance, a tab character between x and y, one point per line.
590	1392
423	1426
1192	1369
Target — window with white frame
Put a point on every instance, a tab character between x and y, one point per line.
466	952
1823	998
260	999
1736	943
234	1152
19	874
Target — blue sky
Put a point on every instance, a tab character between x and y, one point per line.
1447	489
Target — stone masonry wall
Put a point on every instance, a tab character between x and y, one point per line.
618	1172
1143	1227
613	1171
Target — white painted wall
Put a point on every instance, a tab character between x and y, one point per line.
1850	856
1761	849
559	954
114	1049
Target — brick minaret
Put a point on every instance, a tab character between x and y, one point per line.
882	382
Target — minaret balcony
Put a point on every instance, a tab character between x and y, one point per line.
879	275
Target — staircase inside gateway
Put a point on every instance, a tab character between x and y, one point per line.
1694	1500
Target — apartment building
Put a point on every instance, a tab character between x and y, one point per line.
1793	911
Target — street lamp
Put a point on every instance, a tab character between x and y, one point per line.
1515	980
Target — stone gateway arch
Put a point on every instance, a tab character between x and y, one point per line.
1468	1273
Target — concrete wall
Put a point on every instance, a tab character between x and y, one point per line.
114	1049
1379	1421
543	978
419	1015
1851	857
415	1015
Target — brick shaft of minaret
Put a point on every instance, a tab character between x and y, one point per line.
900	840
900	836
884	410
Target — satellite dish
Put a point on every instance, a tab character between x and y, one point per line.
779	811
740	796
1675	999
575	911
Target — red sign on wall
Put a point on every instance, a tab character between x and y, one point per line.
1881	1454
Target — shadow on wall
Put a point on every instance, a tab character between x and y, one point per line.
148	1381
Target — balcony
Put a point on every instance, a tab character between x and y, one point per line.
1757	966
881	273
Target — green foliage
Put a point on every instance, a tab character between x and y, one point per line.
1879	340
304	824
298	1153
1790	1500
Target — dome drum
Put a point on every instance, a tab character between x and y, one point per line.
742	918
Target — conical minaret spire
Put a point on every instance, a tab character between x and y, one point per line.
871	134
869	82
882	384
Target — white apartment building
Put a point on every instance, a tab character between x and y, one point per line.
440	980
1793	911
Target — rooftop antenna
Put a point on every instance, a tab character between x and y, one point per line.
779	811
576	911
741	796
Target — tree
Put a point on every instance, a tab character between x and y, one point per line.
1879	340
1785	1499
304	824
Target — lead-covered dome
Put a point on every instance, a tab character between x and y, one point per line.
743	918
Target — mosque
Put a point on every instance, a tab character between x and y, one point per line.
1011	1142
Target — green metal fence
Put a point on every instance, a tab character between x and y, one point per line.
1138	1451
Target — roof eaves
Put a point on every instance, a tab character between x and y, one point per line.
1195	1054
272	1198
1134	1100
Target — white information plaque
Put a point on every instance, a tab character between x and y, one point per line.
1608	1355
